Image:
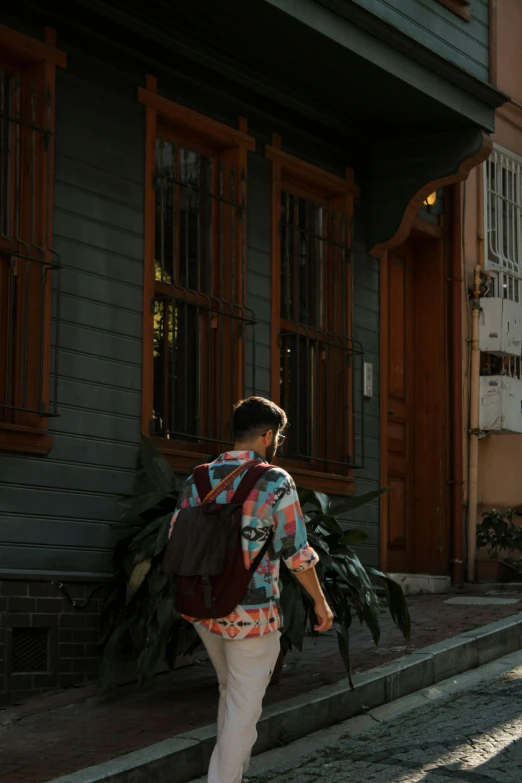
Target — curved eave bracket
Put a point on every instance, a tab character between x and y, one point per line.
403	172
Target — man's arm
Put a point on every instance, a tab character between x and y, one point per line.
298	555
310	581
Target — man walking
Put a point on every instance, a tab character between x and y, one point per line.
244	646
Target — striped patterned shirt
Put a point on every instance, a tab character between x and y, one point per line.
273	504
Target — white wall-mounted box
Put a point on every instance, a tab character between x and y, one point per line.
500	404
500	330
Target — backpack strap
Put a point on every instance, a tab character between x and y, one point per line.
202	481
207	494
246	486
260	555
248	482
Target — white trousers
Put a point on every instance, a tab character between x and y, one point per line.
244	668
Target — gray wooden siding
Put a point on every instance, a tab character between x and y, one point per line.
464	43
366	329
57	512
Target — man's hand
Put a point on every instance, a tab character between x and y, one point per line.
324	616
308	579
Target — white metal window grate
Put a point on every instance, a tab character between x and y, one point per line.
503	183
505	286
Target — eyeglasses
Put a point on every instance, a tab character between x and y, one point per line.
280	438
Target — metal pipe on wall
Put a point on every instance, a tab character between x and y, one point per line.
474	426
457	429
474	429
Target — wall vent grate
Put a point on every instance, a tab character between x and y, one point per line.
29	650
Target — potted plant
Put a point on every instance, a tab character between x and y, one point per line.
503	538
139	619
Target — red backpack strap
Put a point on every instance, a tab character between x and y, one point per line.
207	493
202	480
248	482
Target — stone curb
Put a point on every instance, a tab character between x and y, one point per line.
186	756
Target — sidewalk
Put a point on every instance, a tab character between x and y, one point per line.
74	729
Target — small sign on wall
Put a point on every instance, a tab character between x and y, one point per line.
368	380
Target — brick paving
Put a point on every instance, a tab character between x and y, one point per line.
71	730
472	737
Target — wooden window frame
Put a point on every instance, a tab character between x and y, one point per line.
461	8
27	431
184	124
292	170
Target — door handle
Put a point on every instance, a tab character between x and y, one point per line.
391	413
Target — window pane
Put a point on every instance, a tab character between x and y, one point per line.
287	256
298	383
303	240
183	217
26	268
176	362
314	339
200	324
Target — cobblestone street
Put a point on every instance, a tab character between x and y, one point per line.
473	736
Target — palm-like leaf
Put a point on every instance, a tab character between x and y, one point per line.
396	602
346	582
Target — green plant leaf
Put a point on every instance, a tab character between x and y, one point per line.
145	549
350	504
356	573
396	602
330	523
137	577
165	613
354	537
151	656
324	501
139	505
189	639
152	527
343	640
371	618
308	497
293	609
158	581
110	658
137	634
163	534
157	468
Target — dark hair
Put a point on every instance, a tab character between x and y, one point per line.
257	415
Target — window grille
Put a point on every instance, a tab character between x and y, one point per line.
511	366
321	365
503	182
201	324
505	286
27	262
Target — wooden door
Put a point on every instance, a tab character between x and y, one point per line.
400	411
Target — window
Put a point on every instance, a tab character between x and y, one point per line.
460	7
28	265
312	347
503	185
196	322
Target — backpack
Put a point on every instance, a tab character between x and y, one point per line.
204	556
